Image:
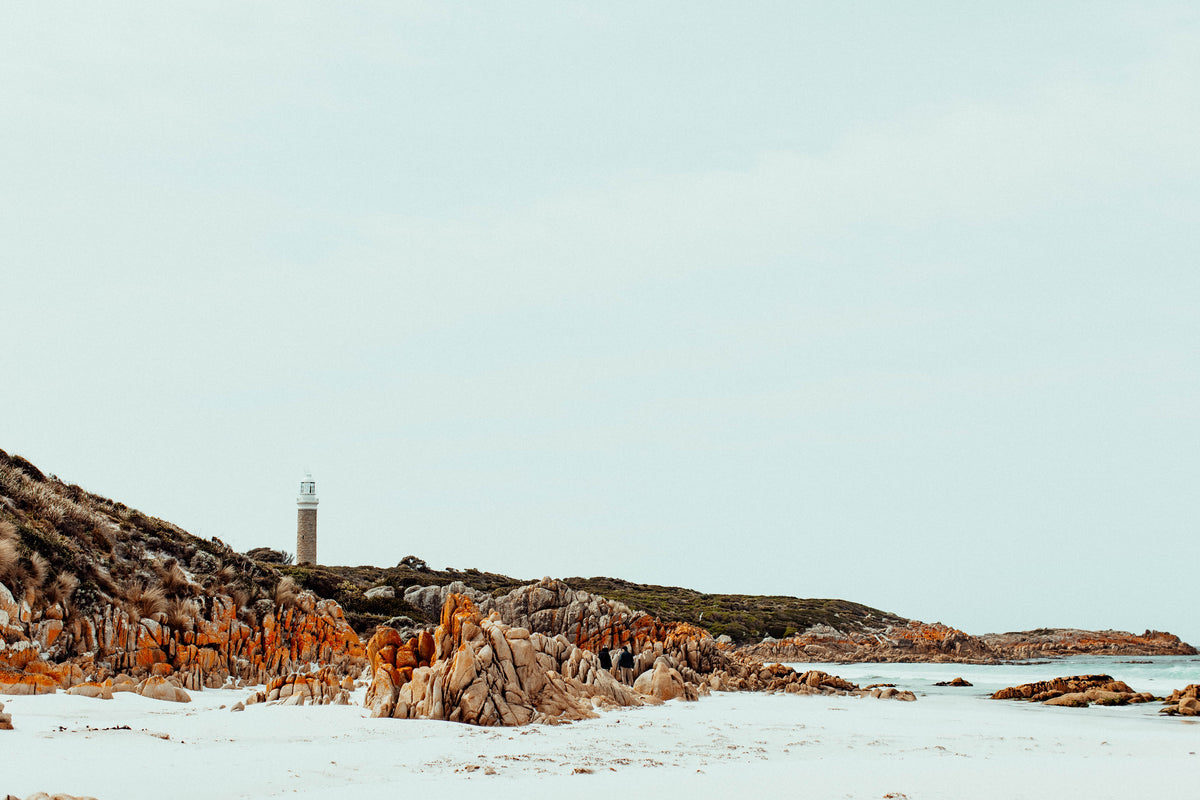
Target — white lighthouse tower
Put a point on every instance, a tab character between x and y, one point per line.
306	521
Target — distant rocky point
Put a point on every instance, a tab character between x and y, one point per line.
919	641
1057	642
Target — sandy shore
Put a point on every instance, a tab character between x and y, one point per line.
782	745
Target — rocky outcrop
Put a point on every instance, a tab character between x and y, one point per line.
916	641
1077	691
955	682
1054	642
482	671
43	650
585	620
5	720
1182	702
1043	690
158	688
746	673
322	687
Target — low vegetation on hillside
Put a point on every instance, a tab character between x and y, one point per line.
59	542
349	585
744	618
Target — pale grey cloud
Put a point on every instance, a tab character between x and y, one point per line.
896	306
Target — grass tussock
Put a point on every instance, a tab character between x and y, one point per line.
239	596
62	588
146	601
180	613
173	580
286	593
36	573
12	574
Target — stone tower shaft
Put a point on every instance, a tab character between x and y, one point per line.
306	522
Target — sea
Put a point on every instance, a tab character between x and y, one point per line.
1159	675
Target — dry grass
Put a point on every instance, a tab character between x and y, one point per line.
147	601
103	538
221	581
285	592
173	580
47	499
181	614
227	574
239	596
12	573
37	572
61	588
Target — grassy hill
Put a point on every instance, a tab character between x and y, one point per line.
744	618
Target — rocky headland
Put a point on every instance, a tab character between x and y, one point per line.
97	598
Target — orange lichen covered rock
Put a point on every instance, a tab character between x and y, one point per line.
484	672
22	683
208	649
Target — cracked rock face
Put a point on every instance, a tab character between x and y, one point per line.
592	622
40	653
482	671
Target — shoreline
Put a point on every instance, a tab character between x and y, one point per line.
949	744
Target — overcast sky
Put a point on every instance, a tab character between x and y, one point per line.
897	303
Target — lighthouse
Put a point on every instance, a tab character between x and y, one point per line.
306	522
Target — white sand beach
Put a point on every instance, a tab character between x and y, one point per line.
948	744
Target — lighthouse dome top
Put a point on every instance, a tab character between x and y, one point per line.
308	491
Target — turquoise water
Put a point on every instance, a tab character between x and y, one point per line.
1159	677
